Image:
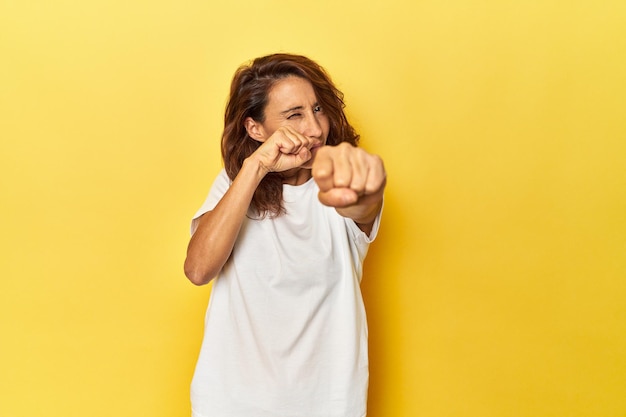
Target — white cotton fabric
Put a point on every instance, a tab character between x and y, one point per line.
286	331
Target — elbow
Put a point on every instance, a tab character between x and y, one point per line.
196	275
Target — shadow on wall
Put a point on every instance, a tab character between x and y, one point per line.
381	287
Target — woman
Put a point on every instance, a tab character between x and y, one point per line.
284	230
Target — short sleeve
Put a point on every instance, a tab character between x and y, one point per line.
361	239
359	235
218	189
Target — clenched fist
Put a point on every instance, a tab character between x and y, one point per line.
286	149
347	177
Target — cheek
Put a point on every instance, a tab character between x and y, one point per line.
325	124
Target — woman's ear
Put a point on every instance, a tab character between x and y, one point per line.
255	129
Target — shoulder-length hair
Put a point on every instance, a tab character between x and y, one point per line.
249	92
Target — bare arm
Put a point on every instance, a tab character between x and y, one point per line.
212	243
351	180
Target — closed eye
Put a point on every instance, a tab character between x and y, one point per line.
294	115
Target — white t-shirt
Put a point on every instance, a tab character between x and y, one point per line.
286	331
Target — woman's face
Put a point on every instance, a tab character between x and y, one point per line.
292	102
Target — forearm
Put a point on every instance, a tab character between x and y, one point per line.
213	241
364	212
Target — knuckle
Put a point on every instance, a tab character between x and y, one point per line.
321	171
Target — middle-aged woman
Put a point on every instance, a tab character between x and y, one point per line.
284	232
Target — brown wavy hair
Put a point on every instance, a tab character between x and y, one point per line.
249	93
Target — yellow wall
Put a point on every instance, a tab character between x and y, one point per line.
497	287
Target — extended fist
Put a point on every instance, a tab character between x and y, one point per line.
347	175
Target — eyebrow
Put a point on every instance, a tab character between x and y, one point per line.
296	108
292	109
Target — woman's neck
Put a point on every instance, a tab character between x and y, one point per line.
296	176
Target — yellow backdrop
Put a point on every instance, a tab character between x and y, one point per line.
497	287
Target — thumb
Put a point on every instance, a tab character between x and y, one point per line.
338	197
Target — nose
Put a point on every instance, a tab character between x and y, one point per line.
312	128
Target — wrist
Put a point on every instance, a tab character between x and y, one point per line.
253	166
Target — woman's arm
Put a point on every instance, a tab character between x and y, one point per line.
212	243
351	180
